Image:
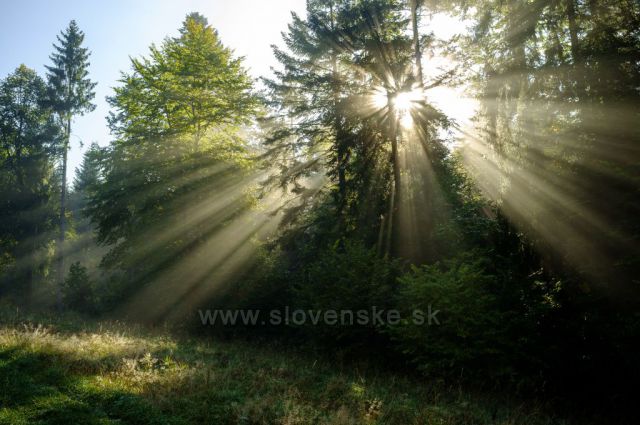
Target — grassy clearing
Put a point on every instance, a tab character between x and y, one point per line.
64	371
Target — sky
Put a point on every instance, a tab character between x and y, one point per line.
116	30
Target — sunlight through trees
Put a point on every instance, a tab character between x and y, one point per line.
479	158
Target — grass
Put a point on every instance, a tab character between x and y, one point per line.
61	370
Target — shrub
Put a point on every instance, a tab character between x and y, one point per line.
465	331
77	290
346	276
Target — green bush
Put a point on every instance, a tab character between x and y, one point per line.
346	276
463	335
77	291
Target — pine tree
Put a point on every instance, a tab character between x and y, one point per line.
344	65
70	94
85	182
324	80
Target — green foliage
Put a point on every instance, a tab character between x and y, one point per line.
70	89
346	276
266	283
557	152
28	137
552	102
191	84
530	230
87	179
464	333
78	290
469	221
333	62
70	93
89	174
178	171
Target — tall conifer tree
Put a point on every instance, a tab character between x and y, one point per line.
70	94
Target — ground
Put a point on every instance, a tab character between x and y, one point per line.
63	370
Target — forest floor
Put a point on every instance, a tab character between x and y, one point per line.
64	370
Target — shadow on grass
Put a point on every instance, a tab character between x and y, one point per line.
49	388
44	385
70	376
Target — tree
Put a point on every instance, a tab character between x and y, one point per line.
556	149
564	66
88	175
78	293
81	243
28	137
319	91
415	8
188	86
336	95
70	94
176	120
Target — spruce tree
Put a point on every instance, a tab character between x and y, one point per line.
70	94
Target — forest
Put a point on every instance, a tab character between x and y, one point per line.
327	244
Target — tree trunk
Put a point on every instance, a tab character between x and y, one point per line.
341	150
416	42
576	59
395	192
573	30
63	195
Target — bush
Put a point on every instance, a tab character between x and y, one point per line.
464	335
346	276
77	290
